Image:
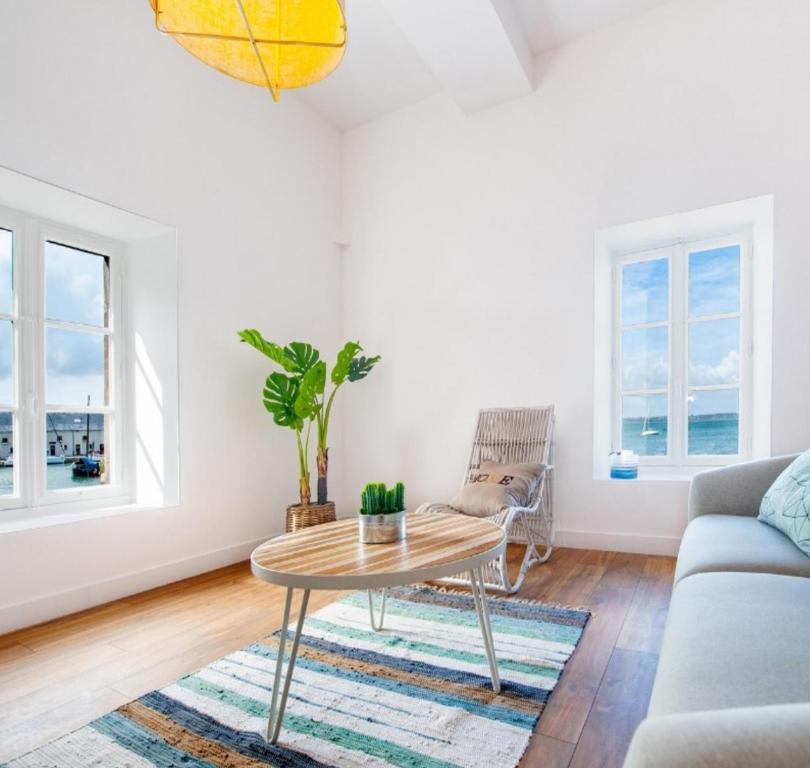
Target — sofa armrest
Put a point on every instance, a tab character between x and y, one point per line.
734	490
776	736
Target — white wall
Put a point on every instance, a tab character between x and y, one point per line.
93	99
471	261
470	268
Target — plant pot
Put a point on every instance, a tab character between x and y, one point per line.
382	529
303	516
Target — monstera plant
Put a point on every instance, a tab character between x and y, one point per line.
297	397
351	367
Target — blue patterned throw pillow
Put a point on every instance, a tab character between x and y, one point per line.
786	505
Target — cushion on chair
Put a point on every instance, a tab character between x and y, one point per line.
494	487
786	505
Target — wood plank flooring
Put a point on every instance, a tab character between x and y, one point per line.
57	676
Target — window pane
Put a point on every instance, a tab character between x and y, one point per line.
644	358
6	271
714	281
76	367
714	352
714	422
6	362
6	454
76	449
76	285
645	292
644	424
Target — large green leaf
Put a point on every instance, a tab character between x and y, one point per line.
279	396
300	356
312	386
274	351
360	367
344	360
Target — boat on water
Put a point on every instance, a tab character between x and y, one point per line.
646	431
87	466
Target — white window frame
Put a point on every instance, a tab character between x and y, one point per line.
678	389
12	221
30	234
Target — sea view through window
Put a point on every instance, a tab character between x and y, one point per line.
680	348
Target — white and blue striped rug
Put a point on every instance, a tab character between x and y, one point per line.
416	695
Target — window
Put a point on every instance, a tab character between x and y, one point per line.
88	307
60	393
78	350
682	352
9	417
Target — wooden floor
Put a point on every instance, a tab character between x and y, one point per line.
58	676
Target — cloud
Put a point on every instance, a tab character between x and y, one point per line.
727	371
74	354
75	285
645	287
714	281
649	373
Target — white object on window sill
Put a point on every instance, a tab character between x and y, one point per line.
657	475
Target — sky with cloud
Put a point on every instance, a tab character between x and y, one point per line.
75	292
714	289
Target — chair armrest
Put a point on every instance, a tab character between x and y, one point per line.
776	736
734	490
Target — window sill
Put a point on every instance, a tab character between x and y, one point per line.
30	519
657	475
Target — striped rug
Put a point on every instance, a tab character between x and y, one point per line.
416	695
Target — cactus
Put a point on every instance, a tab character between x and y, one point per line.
376	499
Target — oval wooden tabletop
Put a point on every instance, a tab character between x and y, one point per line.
329	556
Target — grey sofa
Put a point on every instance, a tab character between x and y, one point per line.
732	688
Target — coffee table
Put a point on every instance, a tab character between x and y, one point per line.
329	556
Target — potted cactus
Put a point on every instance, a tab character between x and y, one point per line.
382	514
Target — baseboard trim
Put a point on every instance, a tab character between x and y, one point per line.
618	542
19	615
58	604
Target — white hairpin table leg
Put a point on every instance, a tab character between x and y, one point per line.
277	714
480	598
376	627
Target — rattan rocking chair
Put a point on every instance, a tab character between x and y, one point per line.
509	436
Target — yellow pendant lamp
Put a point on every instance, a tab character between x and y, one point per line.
273	43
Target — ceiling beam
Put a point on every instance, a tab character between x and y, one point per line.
475	48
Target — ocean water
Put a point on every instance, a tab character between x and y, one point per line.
710	435
59	476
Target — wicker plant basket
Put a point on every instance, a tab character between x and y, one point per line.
314	514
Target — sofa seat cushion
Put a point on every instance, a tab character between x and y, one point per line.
734	640
732	543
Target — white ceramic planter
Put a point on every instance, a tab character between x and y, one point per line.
381	529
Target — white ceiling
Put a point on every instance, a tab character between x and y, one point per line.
402	51
551	23
380	71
